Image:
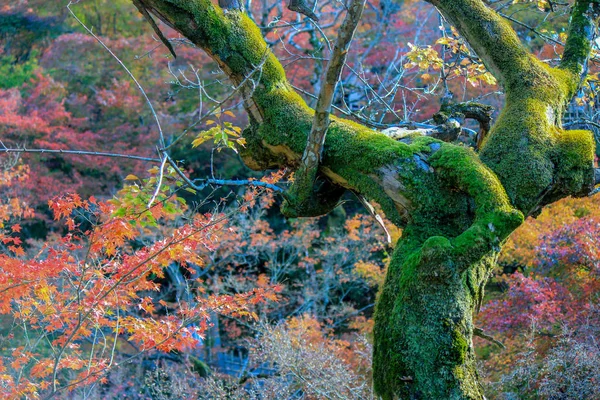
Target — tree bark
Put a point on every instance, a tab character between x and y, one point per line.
457	207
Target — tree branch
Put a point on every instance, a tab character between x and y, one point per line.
316	138
527	147
78	152
354	157
302	189
367	162
494	41
234	182
140	6
479	332
582	30
481	113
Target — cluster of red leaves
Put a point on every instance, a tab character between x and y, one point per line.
78	296
36	117
12	207
90	104
538	301
559	253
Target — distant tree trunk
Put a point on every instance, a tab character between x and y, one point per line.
456	207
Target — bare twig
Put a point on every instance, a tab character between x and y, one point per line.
479	332
377	217
159	184
141	89
199	184
78	152
530	28
230	182
139	86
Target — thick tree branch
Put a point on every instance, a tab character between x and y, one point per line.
535	159
494	41
582	31
354	157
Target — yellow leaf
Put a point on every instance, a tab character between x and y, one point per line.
131	177
197	142
43	293
229	113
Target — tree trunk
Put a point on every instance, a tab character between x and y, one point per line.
424	324
457	207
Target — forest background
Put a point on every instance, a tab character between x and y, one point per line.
111	287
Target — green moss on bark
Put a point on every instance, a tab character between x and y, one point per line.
529	152
574	160
521	148
352	151
423	326
462	206
423	321
581	32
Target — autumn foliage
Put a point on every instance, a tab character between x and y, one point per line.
95	282
117	278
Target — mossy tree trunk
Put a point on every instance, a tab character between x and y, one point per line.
456	206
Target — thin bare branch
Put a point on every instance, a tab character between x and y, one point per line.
141	89
78	152
161	175
199	184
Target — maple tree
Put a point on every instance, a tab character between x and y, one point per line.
91	280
